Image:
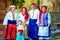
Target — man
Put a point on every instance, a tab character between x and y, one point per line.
33	21
10	22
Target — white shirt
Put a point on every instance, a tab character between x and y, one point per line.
20	27
21	17
36	14
10	17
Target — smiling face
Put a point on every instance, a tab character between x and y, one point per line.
44	9
23	10
13	9
32	7
19	22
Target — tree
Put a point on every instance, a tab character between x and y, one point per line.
17	3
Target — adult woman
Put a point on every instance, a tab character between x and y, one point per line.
23	16
33	23
44	26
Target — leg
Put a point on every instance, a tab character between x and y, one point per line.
44	39
9	31
7	39
13	39
13	31
22	36
30	38
18	36
25	31
35	38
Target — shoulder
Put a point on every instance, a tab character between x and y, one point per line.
16	13
20	13
48	13
30	11
8	13
37	10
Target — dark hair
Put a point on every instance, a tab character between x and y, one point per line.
33	4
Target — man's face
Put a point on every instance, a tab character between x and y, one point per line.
32	7
13	9
44	9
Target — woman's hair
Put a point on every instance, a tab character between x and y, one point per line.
44	6
42	11
33	4
24	8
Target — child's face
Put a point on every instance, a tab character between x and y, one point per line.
19	23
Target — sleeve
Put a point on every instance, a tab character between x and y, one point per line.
20	16
17	18
49	18
5	19
23	27
38	17
27	22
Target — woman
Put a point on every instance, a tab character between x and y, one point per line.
23	16
44	26
10	22
33	23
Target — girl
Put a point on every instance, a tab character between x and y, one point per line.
20	31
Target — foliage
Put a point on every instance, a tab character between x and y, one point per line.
17	3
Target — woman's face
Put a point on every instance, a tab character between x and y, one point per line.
32	7
23	10
44	9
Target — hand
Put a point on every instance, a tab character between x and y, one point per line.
5	26
49	25
38	24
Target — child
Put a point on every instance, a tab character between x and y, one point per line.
20	31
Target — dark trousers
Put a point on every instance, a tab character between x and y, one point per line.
35	39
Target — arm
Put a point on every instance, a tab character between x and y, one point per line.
49	19
27	22
38	18
17	18
5	20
